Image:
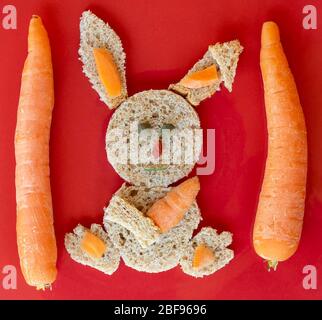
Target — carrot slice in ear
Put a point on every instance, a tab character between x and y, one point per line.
93	245
167	212
203	257
201	78
108	72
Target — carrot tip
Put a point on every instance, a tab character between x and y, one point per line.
43	287
272	265
270	33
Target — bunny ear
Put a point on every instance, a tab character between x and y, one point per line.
217	66
96	34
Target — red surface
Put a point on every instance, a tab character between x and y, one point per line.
162	40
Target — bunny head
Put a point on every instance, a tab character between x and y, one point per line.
154	137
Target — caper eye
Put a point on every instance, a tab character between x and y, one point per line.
143	126
168	126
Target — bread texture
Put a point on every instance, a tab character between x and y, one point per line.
225	57
166	251
217	242
95	33
157	108
123	213
107	264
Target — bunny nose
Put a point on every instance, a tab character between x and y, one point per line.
157	149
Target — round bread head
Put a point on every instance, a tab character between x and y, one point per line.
154	138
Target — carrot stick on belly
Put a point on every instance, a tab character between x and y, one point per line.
279	217
35	232
168	211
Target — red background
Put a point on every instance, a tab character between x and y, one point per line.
162	40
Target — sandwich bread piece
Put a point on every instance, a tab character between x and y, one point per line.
217	243
155	108
110	259
166	251
224	56
95	33
123	213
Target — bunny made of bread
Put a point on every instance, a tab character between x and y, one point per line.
155	109
140	244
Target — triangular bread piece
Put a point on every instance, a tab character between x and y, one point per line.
225	57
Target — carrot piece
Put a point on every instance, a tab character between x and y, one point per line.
35	231
93	245
108	72
201	78
157	149
203	257
279	218
167	212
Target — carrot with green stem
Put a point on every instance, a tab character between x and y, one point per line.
280	211
35	232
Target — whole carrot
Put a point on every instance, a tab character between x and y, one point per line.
279	217
35	232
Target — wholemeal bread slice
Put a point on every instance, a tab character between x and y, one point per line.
156	108
225	57
95	33
111	258
217	242
123	213
167	250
